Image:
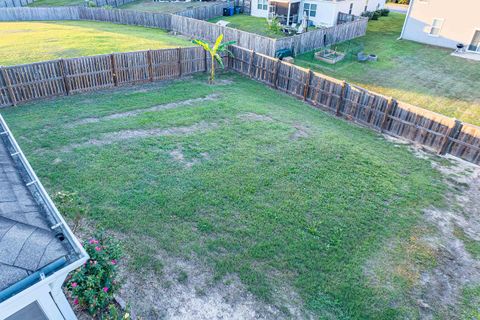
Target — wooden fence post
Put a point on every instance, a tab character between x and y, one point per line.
341	97
114	70
63	72
179	62
307	84
388	111
251	65
8	84
452	133
150	65
205	60
275	74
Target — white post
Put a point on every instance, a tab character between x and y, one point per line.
288	13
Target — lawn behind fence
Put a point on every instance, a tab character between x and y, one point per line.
250	24
249	180
418	74
27	42
164	6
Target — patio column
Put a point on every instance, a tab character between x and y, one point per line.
288	13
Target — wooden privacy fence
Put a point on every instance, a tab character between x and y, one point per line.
195	28
380	113
210	31
14	3
23	83
130	17
205	12
349	29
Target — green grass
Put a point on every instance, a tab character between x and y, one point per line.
282	210
415	73
165	6
26	42
250	24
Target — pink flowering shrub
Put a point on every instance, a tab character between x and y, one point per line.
93	285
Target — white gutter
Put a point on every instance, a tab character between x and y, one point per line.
52	209
406	19
12	304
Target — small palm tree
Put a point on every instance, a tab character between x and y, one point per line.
215	51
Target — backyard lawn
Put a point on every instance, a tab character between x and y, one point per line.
418	74
163	6
248	180
250	24
66	39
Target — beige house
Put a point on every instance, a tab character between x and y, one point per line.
444	23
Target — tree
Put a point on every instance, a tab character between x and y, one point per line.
214	52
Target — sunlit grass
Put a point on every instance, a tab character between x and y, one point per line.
26	42
250	24
418	74
301	214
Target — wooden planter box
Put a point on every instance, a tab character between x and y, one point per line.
329	56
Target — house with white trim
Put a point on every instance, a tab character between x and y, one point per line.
320	13
37	248
444	23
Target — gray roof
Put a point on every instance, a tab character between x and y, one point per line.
27	243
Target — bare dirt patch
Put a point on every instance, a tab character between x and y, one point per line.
300	132
186	290
178	156
437	288
136	112
118	136
251	116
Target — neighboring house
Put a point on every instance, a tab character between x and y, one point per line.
321	13
37	249
444	23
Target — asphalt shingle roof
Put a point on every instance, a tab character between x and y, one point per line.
27	243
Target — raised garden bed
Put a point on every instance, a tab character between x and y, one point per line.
329	56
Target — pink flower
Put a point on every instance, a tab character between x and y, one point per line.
98	248
75	301
105	289
94	262
93	241
74	284
114	262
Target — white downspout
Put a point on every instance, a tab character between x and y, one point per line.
406	19
288	13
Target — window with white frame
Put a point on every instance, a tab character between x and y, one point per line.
310	9
436	27
262	5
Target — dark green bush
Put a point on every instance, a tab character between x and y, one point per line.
368	14
375	15
384	12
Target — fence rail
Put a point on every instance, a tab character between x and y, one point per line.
352	27
195	28
24	83
383	114
14	3
205	12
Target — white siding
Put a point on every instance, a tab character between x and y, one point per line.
257	12
458	25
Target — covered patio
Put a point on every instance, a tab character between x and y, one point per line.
287	11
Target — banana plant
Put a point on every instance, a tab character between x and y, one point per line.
214	52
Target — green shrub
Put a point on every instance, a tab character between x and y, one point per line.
375	15
384	12
367	14
91	4
93	285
